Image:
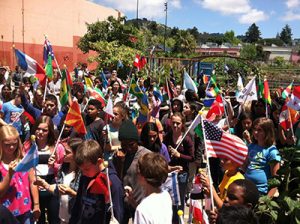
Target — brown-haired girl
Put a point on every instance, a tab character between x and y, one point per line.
263	156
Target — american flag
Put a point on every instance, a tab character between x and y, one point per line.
220	144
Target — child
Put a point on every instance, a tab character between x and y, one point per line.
263	156
15	187
68	180
156	207
231	174
92	195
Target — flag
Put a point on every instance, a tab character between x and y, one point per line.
157	93
47	51
188	82
143	62
133	39
284	118
88	82
267	95
30	160
135	90
206	79
217	108
168	93
63	95
260	88
171	185
286	93
28	64
199	214
212	91
240	85
249	93
136	61
109	108
74	118
97	95
99	185
104	80
120	64
196	126
49	68
221	144
294	102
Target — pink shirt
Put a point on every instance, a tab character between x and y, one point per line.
17	198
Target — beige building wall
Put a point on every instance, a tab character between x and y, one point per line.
63	21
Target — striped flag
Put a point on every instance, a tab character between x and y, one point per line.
199	214
286	93
47	51
294	102
63	95
171	185
220	144
217	108
30	160
97	94
284	118
267	95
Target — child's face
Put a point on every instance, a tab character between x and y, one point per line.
118	117
247	124
69	156
259	134
152	137
42	131
227	164
92	111
9	146
89	169
235	195
50	108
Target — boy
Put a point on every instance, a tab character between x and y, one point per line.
92	196
156	207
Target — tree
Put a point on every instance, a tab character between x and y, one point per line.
286	35
185	42
194	31
230	37
253	34
110	30
249	52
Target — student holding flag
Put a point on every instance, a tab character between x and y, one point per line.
15	187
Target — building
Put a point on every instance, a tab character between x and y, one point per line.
274	51
214	49
24	23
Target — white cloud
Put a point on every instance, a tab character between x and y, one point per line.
292	3
290	16
253	16
147	8
242	8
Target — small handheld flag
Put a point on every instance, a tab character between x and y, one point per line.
30	160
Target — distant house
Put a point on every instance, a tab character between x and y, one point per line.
274	51
214	49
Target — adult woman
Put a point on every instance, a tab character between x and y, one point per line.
5	93
115	92
182	156
150	140
49	164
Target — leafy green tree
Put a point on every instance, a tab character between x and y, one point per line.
185	42
286	35
253	34
249	52
230	37
194	31
110	30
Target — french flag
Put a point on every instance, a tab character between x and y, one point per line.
30	66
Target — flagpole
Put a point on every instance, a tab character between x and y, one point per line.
225	111
109	190
190	127
59	137
266	109
208	167
45	93
291	123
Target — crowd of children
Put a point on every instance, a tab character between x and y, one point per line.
115	171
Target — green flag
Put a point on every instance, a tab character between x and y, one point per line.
63	96
49	68
260	88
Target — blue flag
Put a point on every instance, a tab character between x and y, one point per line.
104	80
30	160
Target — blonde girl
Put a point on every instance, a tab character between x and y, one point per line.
15	187
263	156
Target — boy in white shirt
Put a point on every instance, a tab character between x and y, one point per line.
156	207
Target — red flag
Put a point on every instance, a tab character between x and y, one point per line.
199	214
99	185
133	39
97	95
217	108
284	118
69	79
143	62
74	118
220	144
267	95
136	62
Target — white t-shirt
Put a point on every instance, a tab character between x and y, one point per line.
154	209
64	214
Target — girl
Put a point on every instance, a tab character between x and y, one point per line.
150	140
15	187
68	181
5	93
182	156
243	128
49	164
263	156
115	92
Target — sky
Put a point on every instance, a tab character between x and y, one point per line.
216	16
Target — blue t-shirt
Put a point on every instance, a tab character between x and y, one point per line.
258	170
12	115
